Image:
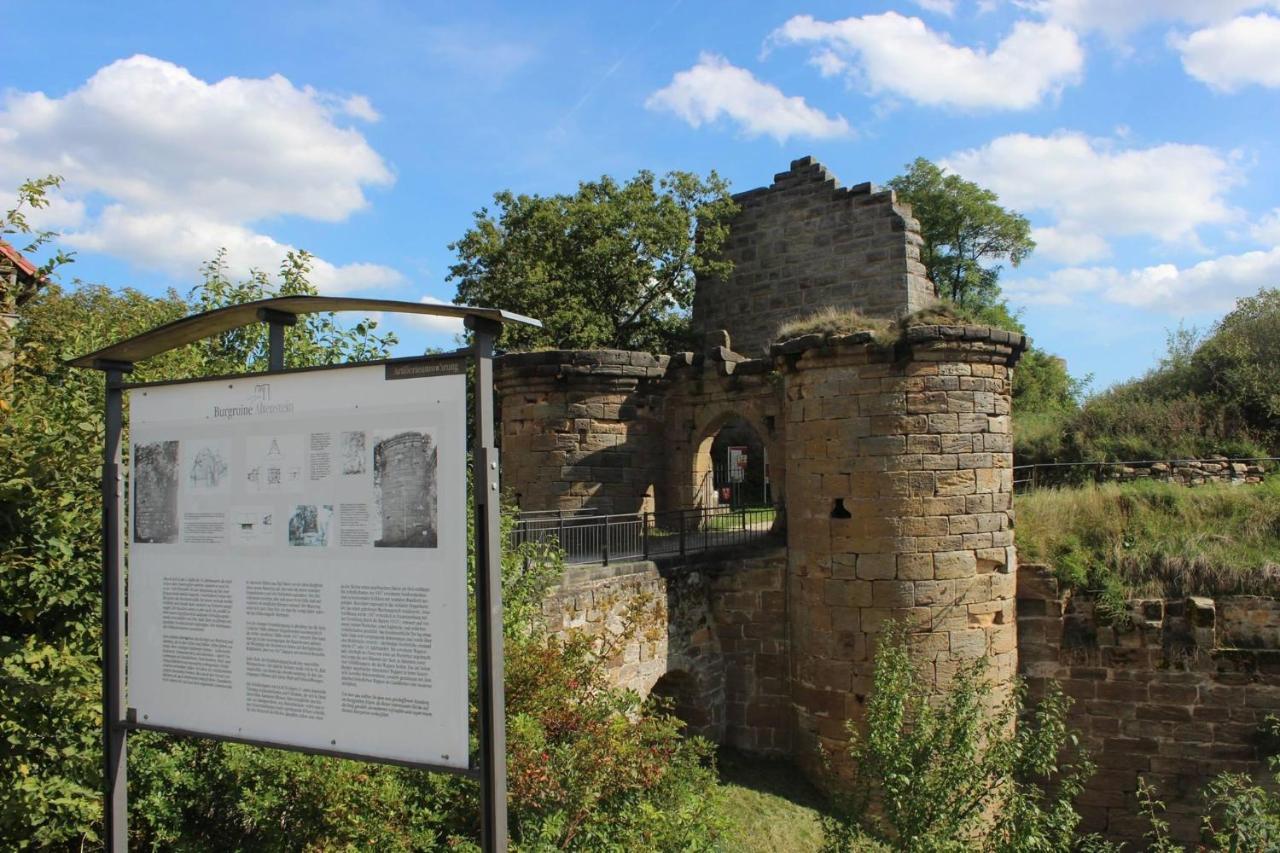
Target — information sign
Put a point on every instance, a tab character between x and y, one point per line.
297	561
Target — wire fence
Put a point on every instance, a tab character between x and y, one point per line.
589	537
1028	478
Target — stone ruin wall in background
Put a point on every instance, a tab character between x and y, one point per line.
806	243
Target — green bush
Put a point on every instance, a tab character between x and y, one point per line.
591	766
957	772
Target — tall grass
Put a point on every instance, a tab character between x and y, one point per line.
1160	539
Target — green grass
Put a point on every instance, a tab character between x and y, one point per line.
1156	538
733	520
771	807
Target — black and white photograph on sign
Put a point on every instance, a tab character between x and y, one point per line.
404	480
353	453
274	463
206	465
309	525
155	492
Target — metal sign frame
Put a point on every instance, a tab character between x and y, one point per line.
117	361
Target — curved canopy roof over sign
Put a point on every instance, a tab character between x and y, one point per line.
198	326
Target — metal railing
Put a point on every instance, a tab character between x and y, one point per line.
1028	478
589	537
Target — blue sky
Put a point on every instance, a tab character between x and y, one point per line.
1140	137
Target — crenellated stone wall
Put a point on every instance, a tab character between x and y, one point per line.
1174	692
805	243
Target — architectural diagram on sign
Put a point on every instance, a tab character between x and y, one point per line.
207	468
274	463
252	525
353	453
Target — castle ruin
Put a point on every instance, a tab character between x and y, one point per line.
892	464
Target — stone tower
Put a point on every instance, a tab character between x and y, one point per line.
899	466
805	243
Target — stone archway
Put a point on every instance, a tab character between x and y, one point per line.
730	442
682	696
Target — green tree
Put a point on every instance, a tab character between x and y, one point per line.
51	435
966	232
612	265
32	195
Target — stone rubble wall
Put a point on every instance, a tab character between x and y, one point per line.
1165	693
1188	472
806	243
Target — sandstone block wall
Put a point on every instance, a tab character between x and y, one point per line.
1166	694
804	243
719	625
899	476
582	428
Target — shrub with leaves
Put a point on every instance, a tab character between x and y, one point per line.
956	771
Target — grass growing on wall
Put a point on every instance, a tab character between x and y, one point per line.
1151	538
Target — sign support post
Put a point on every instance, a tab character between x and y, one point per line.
114	732
488	550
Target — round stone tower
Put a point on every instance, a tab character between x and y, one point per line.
899	484
582	428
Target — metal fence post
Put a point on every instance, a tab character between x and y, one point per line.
681	533
560	531
644	533
606	540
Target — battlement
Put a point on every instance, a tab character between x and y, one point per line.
804	243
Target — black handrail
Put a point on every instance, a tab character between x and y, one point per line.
588	537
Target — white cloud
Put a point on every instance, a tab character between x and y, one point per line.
1210	286
1119	17
1069	247
177	243
714	88
938	7
358	106
897	55
1267	229
443	325
180	166
1093	189
1234	54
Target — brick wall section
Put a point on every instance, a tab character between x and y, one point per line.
899	477
804	243
582	428
1165	696
722	621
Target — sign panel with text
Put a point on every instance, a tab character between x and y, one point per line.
297	561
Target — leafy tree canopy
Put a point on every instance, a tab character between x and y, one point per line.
612	265
32	195
966	232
